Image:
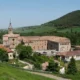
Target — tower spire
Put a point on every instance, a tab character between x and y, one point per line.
10	24
10	29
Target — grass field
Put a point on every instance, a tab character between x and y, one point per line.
9	73
74	29
41	29
78	65
35	29
73	77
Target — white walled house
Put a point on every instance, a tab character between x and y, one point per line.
10	55
68	55
9	51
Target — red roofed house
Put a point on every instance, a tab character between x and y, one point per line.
68	55
10	53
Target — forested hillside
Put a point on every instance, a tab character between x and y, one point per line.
69	20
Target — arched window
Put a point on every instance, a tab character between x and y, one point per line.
13	39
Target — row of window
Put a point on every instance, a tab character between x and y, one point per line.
37	44
64	43
41	47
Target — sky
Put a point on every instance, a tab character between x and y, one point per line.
34	12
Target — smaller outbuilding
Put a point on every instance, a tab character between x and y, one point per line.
66	56
9	51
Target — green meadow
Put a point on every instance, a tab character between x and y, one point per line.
37	29
8	72
74	29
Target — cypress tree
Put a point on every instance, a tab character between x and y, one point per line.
71	69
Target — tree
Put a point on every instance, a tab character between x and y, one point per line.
71	69
38	59
18	50
25	52
3	55
53	66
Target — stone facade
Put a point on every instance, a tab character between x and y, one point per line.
60	44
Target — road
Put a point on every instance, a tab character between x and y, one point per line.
49	76
44	74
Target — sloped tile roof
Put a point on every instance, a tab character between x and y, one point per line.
7	49
70	53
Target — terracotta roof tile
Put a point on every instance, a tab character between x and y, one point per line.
3	47
70	53
51	38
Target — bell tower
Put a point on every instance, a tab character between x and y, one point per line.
10	29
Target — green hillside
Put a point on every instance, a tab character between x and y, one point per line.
69	20
74	29
9	73
35	29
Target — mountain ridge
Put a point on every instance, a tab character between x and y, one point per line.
70	19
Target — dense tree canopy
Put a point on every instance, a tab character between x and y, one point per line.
3	55
68	20
24	51
53	67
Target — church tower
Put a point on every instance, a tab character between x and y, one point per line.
10	29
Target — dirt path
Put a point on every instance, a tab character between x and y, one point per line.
44	74
49	76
